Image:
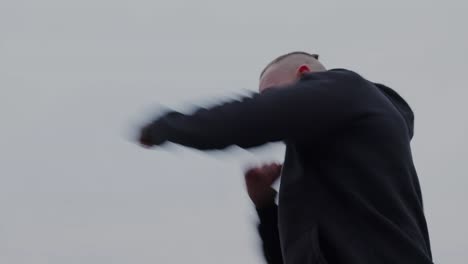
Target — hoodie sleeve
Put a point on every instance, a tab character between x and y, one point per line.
314	106
268	231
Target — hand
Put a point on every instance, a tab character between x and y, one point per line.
259	180
145	137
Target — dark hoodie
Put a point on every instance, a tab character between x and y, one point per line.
349	190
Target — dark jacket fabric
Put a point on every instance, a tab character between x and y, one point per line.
349	191
268	231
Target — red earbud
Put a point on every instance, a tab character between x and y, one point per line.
303	69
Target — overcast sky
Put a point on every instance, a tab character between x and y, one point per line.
77	76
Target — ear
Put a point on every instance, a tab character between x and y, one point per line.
302	70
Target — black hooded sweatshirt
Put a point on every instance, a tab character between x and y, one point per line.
349	191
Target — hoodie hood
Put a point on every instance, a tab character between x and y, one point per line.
401	105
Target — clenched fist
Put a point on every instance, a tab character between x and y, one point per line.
259	180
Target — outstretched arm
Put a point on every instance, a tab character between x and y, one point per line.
308	109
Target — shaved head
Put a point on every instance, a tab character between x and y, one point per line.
288	68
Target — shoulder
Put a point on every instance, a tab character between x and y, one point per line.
336	76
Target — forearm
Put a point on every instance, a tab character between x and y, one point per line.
268	231
239	122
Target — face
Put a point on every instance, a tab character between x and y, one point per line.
276	76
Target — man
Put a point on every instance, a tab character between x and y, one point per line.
349	190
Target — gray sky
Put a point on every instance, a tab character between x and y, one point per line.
76	76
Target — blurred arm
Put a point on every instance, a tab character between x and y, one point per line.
307	109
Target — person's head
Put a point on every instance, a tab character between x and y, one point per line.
288	68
